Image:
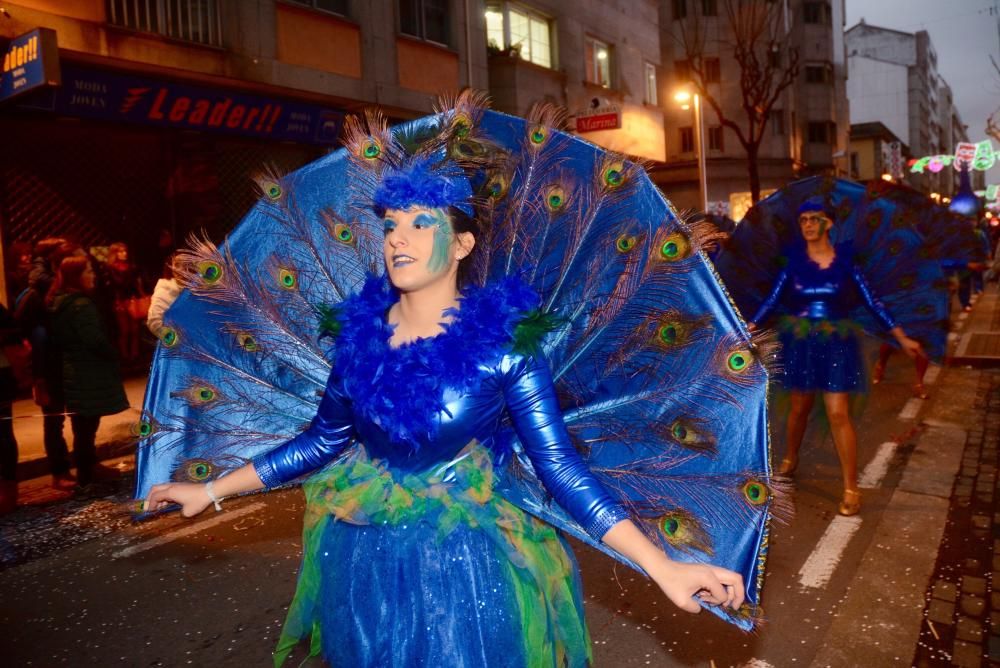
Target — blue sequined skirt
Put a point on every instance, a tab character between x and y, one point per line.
820	355
414	570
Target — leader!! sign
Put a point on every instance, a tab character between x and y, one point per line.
30	60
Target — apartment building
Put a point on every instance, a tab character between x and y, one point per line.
807	130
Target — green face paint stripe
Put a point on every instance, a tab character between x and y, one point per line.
442	239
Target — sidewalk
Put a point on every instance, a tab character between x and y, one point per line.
114	437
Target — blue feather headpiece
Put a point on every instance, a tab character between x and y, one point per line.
816	204
426	182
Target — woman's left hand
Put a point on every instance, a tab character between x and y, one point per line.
911	347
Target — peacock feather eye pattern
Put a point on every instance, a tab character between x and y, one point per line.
555	198
625	243
691	434
497	186
210	271
613	174
145	427
343	233
683	531
461	125
538	134
371	149
169	337
247	342
673	247
197	470
755	492
287	279
739	361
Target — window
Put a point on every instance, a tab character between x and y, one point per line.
687	140
819	74
517	30
425	19
597	56
715	138
709	8
855	165
332	6
650	83
776	119
816	12
713	70
822	132
189	20
682	71
680	9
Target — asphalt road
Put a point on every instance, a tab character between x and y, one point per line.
81	585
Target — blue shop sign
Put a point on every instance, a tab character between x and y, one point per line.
113	96
29	61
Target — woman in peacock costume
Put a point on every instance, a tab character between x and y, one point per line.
783	261
519	336
949	237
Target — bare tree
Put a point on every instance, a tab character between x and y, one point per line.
754	32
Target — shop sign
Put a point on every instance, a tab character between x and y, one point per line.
610	120
29	61
113	96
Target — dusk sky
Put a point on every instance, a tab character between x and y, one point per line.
965	33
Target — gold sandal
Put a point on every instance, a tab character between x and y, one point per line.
851	503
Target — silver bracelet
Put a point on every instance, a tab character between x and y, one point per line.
209	489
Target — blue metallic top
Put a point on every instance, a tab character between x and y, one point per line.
807	291
520	384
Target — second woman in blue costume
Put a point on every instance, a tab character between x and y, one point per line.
820	347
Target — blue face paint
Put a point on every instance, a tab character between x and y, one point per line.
442	237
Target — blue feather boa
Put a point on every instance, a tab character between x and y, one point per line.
402	389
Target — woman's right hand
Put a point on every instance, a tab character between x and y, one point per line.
191	497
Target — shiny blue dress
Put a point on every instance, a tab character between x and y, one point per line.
410	558
819	343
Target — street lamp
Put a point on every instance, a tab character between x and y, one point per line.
684	97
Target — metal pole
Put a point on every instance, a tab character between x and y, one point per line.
702	169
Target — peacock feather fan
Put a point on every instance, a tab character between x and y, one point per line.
662	389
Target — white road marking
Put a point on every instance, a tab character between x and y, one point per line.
872	476
933	371
911	409
963	315
953	336
187	531
821	564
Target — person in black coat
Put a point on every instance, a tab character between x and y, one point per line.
92	384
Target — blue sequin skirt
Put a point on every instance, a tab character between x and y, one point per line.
412	570
820	355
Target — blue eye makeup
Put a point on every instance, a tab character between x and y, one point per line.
388	225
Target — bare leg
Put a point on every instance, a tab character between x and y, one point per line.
884	352
920	363
795	429
846	441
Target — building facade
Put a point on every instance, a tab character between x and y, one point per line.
895	81
807	131
166	107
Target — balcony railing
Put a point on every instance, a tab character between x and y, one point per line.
188	20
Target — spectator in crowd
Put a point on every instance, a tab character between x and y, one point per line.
164	294
129	299
9	333
46	361
91	380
